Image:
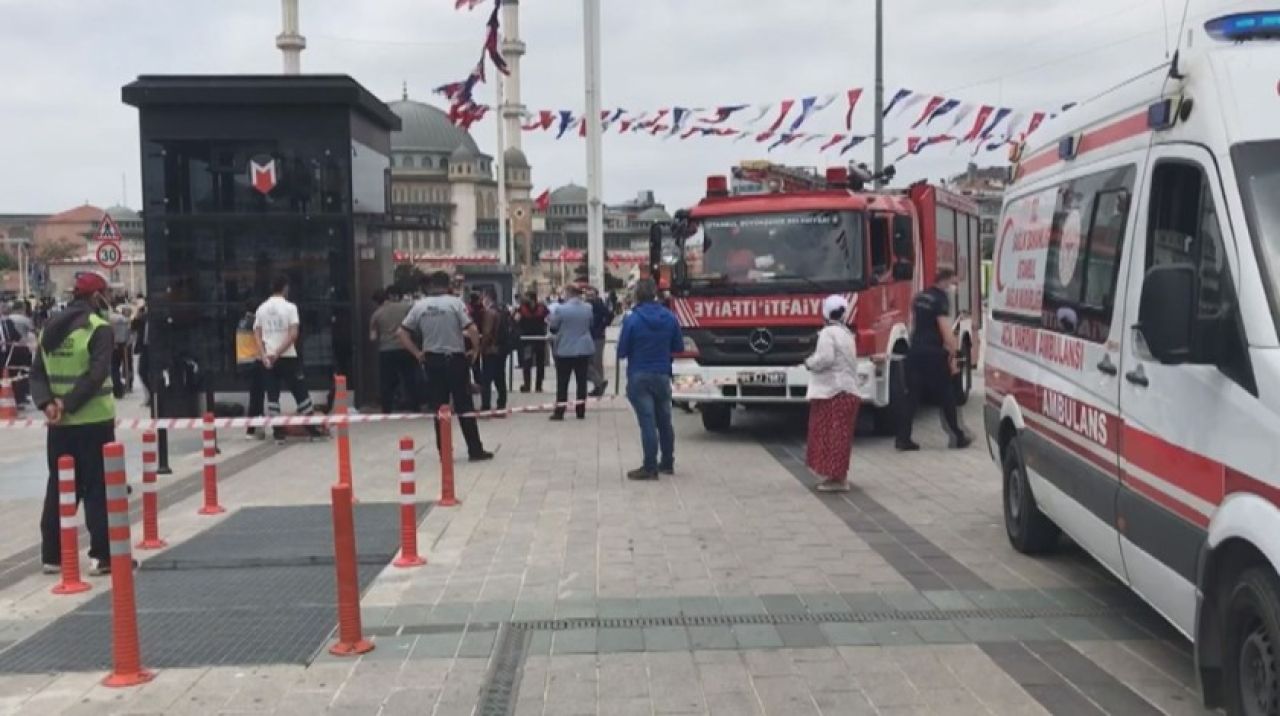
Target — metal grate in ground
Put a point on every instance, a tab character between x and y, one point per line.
204	603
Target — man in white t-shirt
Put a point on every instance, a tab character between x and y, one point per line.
275	327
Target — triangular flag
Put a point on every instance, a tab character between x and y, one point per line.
566	121
809	139
980	121
1000	116
763	110
1036	119
806	108
853	96
723	113
942	110
853	142
835	139
784	109
933	104
901	95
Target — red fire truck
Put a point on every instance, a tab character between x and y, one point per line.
747	275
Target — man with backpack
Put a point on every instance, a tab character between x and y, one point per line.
497	336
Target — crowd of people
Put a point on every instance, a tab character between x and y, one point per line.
22	321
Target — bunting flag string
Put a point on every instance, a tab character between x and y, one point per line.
463	109
920	120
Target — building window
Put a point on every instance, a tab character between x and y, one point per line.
408	162
426	162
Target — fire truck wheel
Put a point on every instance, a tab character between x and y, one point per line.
716	417
964	379
884	421
1250	660
1029	530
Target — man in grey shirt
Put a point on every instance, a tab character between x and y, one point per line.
573	348
396	365
442	322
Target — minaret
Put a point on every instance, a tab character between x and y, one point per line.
512	50
290	42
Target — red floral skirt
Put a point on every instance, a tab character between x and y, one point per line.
830	441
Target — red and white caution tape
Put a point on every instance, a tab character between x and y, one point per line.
285	421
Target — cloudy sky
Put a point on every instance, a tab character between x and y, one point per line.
66	137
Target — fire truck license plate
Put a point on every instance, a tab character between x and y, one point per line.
770	377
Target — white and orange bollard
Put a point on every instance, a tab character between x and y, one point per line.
350	642
150	498
8	404
408	509
210	446
125	651
71	582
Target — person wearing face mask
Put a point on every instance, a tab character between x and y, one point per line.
931	361
71	384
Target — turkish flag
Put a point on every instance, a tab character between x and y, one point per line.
543	202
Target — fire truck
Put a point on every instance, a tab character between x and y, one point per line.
747	273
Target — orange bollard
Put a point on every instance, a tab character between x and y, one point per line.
447	496
126	653
150	500
71	583
350	642
408	510
211	506
8	405
342	408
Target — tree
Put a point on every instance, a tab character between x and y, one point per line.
7	262
57	248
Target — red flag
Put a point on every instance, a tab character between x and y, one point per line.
689	133
932	106
786	108
582	127
1036	119
624	126
980	121
835	139
543	202
854	96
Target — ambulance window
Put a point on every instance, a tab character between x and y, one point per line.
879	246
1185	229
1085	243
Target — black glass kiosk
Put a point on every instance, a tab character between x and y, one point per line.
248	177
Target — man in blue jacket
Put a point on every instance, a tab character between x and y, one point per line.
650	334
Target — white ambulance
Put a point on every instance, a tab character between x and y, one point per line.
1133	364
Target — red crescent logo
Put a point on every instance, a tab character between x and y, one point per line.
999	254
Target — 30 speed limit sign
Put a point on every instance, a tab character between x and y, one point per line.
108	254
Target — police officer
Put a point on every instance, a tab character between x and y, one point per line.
71	383
931	361
441	320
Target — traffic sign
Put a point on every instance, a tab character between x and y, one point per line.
108	254
107	230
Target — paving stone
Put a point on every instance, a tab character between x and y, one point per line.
783	604
757	636
613	608
743	605
666	638
700	606
949	600
477	643
435	646
620	640
574	641
893	633
844	634
801	635
939	633
824	603
712	637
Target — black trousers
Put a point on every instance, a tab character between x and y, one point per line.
533	354
256	374
493	374
929	375
119	353
397	368
575	366
449	383
286	372
84	444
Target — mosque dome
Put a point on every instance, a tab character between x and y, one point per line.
424	128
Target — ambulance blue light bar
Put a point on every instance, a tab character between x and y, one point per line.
1245	26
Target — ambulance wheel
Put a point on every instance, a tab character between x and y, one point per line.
1252	659
716	417
964	379
1030	532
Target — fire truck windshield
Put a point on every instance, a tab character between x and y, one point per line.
820	249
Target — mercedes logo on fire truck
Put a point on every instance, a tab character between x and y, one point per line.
761	341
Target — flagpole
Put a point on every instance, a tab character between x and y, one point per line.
502	173
879	138
595	207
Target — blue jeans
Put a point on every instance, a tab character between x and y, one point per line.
650	396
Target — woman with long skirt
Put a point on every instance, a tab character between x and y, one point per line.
833	398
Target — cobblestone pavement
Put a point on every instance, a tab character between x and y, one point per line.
558	587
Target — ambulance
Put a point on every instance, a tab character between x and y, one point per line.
1133	348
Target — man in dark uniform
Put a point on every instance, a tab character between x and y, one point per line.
71	384
442	321
931	361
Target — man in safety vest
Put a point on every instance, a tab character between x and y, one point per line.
71	383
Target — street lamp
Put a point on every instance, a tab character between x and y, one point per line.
879	138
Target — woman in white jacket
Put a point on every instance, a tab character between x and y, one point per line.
833	398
